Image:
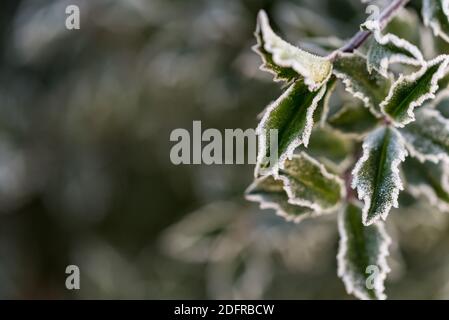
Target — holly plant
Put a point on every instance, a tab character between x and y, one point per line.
356	127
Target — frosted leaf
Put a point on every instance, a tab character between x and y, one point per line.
428	137
409	92
309	184
388	49
376	173
435	15
281	58
292	116
353	120
360	249
429	180
270	194
371	88
280	73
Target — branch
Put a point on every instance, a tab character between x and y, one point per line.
360	37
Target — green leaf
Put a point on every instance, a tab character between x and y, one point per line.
353	120
429	180
284	60
376	173
309	184
409	92
371	88
286	74
291	116
435	15
362	254
388	49
270	194
427	138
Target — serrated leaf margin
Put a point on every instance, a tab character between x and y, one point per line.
264	26
418	60
305	203
381	261
442	70
362	194
303	139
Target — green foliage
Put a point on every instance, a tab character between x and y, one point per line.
379	92
409	92
309	184
292	115
361	247
388	49
376	173
270	193
370	87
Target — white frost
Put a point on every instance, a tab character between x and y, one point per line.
391	39
303	138
348	276
443	61
315	70
293	197
264	203
350	87
364	185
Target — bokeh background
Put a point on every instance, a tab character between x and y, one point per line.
85	173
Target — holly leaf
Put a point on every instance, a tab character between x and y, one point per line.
435	15
376	173
429	180
353	120
427	138
286	61
362	253
270	194
409	92
309	184
286	124
371	88
388	49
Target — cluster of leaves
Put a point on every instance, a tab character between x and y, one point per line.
375	108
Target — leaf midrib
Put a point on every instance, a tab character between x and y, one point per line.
410	93
380	167
297	112
309	184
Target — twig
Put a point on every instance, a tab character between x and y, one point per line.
360	37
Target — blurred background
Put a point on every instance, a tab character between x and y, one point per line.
85	172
